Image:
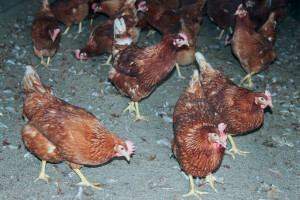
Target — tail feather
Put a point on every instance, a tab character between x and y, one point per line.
195	85
205	67
32	81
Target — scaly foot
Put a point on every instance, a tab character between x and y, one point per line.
66	31
130	107
193	191
248	77
42	174
85	182
210	179
234	150
178	72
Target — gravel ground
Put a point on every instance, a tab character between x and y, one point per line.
270	171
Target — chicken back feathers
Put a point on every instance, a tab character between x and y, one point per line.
240	108
136	71
57	131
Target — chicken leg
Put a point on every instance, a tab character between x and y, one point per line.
108	60
248	76
84	181
42	174
66	31
151	32
178	72
234	150
80	26
193	190
134	106
210	179
222	32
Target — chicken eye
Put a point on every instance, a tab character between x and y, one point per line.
261	98
122	148
215	136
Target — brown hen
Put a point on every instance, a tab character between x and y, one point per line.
240	108
70	12
57	131
137	71
101	37
45	33
254	51
221	12
199	141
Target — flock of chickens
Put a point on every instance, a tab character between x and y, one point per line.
212	109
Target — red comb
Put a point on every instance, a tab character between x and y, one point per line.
183	36
77	52
130	147
221	128
142	4
269	96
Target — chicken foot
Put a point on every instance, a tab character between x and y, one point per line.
178	72
151	32
42	174
134	106
66	31
85	182
248	76
210	178
234	150
43	62
193	190
222	32
108	60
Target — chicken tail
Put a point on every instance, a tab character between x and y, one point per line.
122	39
195	85
204	66
32	81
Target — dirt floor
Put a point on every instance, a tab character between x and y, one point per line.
270	171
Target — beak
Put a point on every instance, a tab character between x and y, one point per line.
127	156
187	43
223	143
270	104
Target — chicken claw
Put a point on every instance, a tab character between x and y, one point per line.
234	150
130	108
210	178
248	76
42	174
193	190
178	72
134	106
151	32
108	60
85	182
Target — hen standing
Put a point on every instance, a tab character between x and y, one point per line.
199	141
57	131
136	71
70	12
254	51
45	33
240	108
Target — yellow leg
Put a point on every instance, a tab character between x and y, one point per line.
66	31
193	190
108	60
43	62
80	26
234	150
248	76
210	179
221	34
48	60
91	22
178	72
230	29
42	174
130	108
85	182
151	32
137	113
